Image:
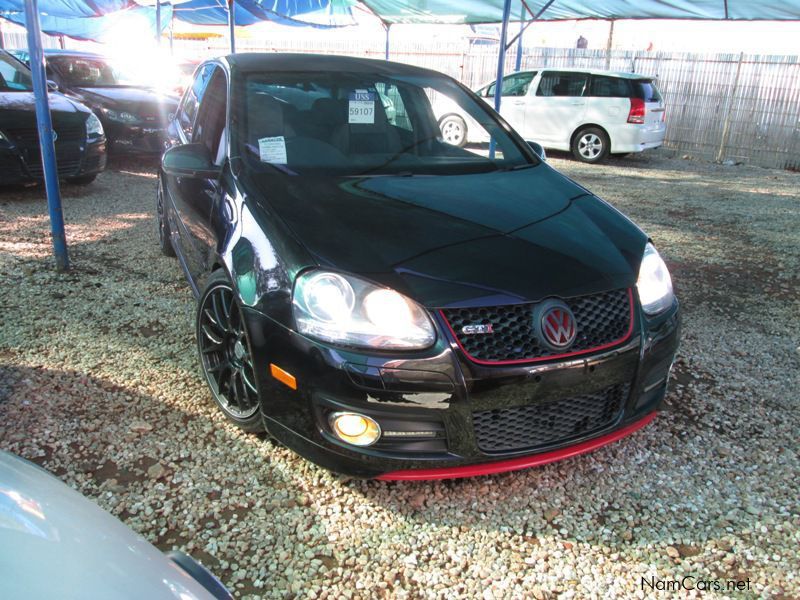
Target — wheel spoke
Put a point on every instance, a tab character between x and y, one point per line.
247	381
219	367
234	392
211	335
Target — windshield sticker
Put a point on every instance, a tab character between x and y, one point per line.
272	150
362	107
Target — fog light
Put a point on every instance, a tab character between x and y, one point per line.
355	429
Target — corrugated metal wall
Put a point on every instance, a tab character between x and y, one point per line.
726	107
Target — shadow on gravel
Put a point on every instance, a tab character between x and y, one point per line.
152	465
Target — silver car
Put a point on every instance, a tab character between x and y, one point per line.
54	543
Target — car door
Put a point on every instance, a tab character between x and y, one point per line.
514	100
200	119
558	108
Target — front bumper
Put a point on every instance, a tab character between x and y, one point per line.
429	404
136	139
24	164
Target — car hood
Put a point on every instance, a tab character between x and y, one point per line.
126	98
19	108
463	239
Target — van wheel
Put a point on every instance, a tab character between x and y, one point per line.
454	130
590	145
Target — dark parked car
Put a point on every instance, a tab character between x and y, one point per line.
79	140
135	115
390	305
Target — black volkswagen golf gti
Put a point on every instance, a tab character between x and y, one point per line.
389	305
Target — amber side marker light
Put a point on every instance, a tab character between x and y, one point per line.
282	376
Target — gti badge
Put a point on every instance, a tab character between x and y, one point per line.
477	328
555	325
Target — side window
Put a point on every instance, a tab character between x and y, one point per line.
393	105
609	87
13	76
517	84
187	111
513	85
209	126
554	83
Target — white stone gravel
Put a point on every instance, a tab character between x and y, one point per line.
99	384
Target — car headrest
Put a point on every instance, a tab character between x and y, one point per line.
266	116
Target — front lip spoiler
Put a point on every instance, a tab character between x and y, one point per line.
516	464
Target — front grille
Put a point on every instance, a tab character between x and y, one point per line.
601	319
66	167
544	424
28	137
70	138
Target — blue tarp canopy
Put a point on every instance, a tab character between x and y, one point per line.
491	11
93	19
93	27
305	13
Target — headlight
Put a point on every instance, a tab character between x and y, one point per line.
121	116
343	309
3	138
654	283
93	125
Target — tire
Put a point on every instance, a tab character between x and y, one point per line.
162	223
226	358
590	145
454	130
82	179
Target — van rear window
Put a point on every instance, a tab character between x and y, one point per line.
646	90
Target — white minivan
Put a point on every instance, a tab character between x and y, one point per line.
588	112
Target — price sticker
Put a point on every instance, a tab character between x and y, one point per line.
362	107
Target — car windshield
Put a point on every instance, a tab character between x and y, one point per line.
344	123
79	71
13	76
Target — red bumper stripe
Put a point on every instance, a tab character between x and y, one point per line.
515	464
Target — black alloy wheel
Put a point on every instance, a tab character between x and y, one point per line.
225	356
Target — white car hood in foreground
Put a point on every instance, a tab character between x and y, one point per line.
54	543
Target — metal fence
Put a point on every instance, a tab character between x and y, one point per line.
723	107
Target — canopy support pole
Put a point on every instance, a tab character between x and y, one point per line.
518	64
726	129
232	24
501	60
45	126
158	23
387	26
609	44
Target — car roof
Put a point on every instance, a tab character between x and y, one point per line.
77	53
249	62
621	74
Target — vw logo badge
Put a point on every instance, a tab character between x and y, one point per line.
555	325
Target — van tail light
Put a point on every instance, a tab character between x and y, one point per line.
636	114
664	116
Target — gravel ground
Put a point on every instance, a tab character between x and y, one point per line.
99	384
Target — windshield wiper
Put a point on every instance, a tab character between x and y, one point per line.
517	167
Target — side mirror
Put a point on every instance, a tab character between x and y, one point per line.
52	85
189	160
538	150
